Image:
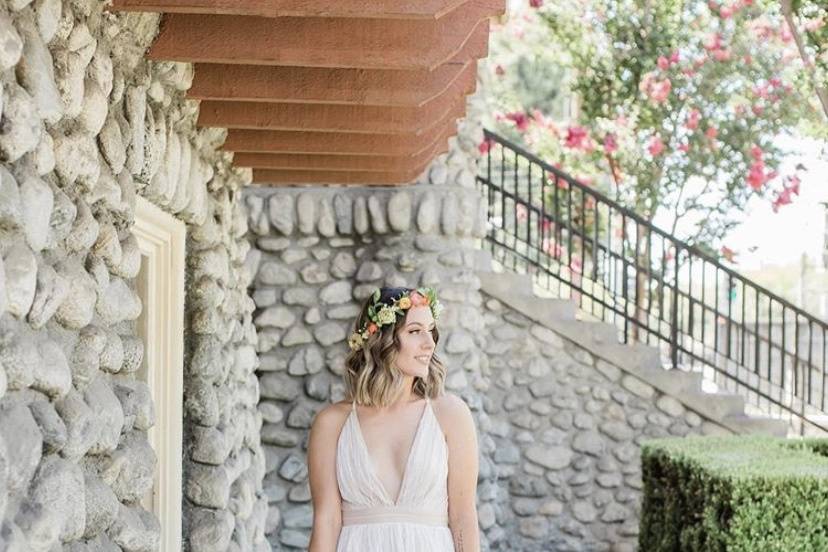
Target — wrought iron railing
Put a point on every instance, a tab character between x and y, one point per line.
655	288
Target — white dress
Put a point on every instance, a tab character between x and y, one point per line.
418	520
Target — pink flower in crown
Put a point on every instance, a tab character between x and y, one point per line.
536	3
684	148
418	299
663	63
756	152
485	145
711	133
674	57
757	109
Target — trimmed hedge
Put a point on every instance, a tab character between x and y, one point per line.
734	494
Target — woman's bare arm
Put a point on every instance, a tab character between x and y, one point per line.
461	438
327	509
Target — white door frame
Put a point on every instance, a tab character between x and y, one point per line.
161	239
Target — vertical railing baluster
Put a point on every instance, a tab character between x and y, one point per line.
624	276
674	353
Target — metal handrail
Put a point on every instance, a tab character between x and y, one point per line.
556	208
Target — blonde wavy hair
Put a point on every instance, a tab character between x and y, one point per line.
371	375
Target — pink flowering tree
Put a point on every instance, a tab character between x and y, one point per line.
807	22
674	108
678	104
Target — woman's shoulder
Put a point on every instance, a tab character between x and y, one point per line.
332	417
452	412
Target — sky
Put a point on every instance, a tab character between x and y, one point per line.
781	238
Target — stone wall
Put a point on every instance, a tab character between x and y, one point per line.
559	437
87	125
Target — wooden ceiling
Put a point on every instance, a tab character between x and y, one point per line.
327	92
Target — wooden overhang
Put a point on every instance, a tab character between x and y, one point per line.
327	92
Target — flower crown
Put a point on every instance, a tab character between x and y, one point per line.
380	314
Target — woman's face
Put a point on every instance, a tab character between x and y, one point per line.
416	342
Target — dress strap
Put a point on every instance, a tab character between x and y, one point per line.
353	406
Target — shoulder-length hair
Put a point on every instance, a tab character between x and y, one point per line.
371	376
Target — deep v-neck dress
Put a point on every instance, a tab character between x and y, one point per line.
417	521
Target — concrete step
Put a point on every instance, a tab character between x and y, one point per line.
748	425
601	332
516	291
720	405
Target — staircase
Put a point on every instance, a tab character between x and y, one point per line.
597	274
641	361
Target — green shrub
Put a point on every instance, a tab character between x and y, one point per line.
734	494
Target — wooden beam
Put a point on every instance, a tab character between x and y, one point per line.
270	177
321	42
329	118
338	162
257	83
335	143
382	9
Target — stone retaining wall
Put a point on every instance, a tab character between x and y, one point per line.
87	125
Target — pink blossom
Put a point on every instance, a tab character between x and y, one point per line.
711	132
726	12
485	145
713	42
757	177
536	3
656	146
757	109
663	63
782	198
674	57
521	212
814	24
693	119
519	118
610	144
499	71
728	253
657	90
785	34
756	152
794	184
576	137
721	55
761	91
776	82
684	148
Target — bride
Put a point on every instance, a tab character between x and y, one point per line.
394	467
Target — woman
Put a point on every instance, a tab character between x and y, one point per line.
394	467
